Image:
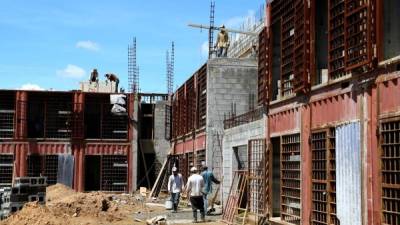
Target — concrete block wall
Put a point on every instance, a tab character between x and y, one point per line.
161	145
229	80
237	137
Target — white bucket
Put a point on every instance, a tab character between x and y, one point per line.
168	204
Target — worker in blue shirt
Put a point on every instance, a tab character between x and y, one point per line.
209	178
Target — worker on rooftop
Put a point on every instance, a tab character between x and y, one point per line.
112	77
94	76
223	43
175	187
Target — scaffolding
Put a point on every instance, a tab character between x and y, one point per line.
7	115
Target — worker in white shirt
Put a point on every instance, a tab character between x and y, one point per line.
175	187
194	189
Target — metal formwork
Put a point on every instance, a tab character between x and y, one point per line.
323	177
202	96
263	66
390	170
114	173
6	169
200	159
291	179
100	123
258	193
190	104
7	115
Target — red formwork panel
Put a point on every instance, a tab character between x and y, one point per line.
263	67
388	88
201	96
179	148
21	129
352	34
182	111
285	121
107	149
190	104
294	18
336	107
49	148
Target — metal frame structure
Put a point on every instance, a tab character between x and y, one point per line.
390	169
291	178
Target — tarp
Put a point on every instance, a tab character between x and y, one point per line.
65	174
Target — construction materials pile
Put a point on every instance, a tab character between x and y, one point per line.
65	206
25	189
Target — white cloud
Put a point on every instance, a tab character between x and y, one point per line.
88	45
71	71
204	49
30	86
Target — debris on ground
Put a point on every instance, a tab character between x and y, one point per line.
65	206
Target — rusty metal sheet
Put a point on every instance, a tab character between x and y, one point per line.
49	148
107	149
348	174
285	121
340	108
389	88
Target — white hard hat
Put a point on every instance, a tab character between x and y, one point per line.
193	169
174	169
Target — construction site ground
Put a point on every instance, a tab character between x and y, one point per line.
65	206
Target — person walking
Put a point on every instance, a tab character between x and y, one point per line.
194	189
175	187
209	178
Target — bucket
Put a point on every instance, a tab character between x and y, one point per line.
168	204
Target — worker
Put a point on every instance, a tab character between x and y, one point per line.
209	178
175	187
112	77
222	44
94	76
194	187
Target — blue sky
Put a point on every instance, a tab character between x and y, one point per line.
55	44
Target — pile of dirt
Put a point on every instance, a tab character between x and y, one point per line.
65	206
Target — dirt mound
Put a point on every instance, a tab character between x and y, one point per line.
35	214
57	192
65	206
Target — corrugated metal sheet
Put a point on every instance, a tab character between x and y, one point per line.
348	173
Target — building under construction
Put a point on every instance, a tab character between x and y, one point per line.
69	137
322	144
313	121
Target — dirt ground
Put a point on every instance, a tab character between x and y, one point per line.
65	206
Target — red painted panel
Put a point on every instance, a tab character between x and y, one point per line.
49	148
341	108
188	145
389	92
9	147
107	149
285	121
200	142
179	148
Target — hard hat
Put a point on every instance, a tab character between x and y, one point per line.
174	169
193	169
